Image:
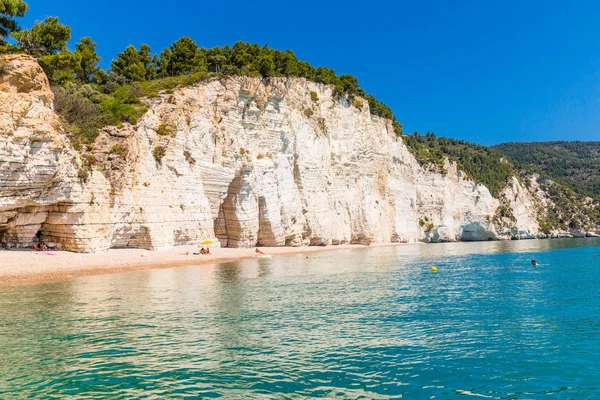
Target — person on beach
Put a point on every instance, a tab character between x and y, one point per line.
43	246
258	251
36	247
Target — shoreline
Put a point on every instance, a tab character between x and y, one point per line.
22	267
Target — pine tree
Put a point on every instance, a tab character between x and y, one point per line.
180	58
89	71
9	9
44	38
136	65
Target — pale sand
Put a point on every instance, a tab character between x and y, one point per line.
23	266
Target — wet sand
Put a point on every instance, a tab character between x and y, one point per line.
27	266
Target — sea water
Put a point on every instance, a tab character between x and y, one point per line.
365	323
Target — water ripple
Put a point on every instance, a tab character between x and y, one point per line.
368	324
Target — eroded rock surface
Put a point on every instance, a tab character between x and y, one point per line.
246	161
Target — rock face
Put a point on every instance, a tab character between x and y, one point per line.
242	160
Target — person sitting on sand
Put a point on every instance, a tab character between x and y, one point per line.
202	251
43	246
258	251
208	251
36	247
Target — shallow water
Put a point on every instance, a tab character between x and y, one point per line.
366	323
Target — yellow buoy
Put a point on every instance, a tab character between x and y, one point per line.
433	268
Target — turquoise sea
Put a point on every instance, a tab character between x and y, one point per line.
366	323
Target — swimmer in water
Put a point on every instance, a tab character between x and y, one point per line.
534	263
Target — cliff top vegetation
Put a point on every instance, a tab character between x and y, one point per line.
89	97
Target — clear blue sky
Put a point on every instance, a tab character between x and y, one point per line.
482	71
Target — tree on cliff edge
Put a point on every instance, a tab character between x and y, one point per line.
182	57
9	9
44	38
47	41
135	65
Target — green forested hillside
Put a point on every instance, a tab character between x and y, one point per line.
484	165
575	164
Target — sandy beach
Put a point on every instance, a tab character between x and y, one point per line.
27	266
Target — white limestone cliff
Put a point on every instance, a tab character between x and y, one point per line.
246	161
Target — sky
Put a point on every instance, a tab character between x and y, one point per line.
483	71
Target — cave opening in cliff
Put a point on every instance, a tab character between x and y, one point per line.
221	227
228	226
266	237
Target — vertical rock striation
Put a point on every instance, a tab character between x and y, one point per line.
245	161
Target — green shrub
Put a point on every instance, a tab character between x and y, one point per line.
83	174
378	108
119	150
164	130
4	67
357	103
397	128
88	160
154	87
82	116
314	96
128	94
85	111
159	152
116	112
